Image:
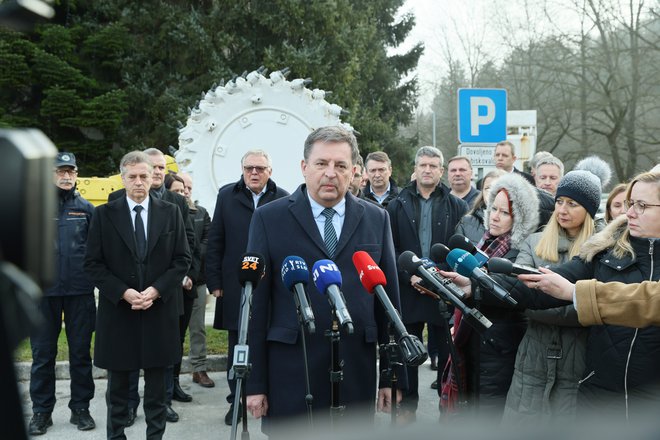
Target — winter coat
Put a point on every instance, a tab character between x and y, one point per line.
73	220
472	225
623	364
494	351
394	192
630	305
447	210
228	238
551	356
201	225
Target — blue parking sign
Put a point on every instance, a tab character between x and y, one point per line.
481	116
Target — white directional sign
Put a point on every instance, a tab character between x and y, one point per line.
481	116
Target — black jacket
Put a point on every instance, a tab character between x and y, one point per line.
201	226
73	219
228	237
447	211
394	192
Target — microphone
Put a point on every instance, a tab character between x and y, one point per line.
251	270
295	276
465	264
461	242
249	274
439	253
409	262
435	271
373	279
502	265
327	279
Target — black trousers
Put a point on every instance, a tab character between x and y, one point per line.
80	318
411	396
116	398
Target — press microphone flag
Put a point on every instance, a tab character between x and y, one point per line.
251	269
327	279
465	264
295	276
373	279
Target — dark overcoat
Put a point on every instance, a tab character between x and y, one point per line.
129	339
228	237
286	227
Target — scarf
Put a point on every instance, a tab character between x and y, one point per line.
495	246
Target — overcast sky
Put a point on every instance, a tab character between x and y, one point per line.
462	23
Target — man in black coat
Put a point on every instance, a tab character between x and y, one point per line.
424	213
505	157
137	255
159	191
227	241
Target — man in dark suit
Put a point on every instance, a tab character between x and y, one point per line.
505	157
296	225
159	191
425	212
137	255
228	239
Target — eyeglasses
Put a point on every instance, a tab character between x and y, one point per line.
253	168
64	172
636	205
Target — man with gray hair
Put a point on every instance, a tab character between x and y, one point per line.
548	172
158	191
380	188
425	212
137	255
320	220
228	237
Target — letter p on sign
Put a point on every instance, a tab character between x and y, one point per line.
481	116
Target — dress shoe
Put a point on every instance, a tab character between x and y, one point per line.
434	385
40	423
171	415
230	414
178	394
132	415
83	419
203	379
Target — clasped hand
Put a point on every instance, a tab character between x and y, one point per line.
141	300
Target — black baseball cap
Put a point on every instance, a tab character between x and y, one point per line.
65	159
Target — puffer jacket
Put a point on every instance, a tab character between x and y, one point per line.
472	226
551	356
622	377
73	219
494	351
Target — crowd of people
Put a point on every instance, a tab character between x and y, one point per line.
581	339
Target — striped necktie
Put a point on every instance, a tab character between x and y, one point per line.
329	233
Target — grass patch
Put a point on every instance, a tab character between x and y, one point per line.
216	343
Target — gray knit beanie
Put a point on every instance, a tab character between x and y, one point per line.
585	183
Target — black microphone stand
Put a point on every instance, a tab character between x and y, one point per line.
391	351
336	372
309	398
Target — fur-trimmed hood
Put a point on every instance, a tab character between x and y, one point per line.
525	204
605	239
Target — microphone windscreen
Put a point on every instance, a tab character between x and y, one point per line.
294	271
500	265
251	269
326	273
370	274
409	262
457	241
439	253
462	262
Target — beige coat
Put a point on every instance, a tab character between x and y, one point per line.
631	305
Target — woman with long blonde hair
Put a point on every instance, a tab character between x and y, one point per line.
551	356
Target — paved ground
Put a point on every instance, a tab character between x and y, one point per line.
200	419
